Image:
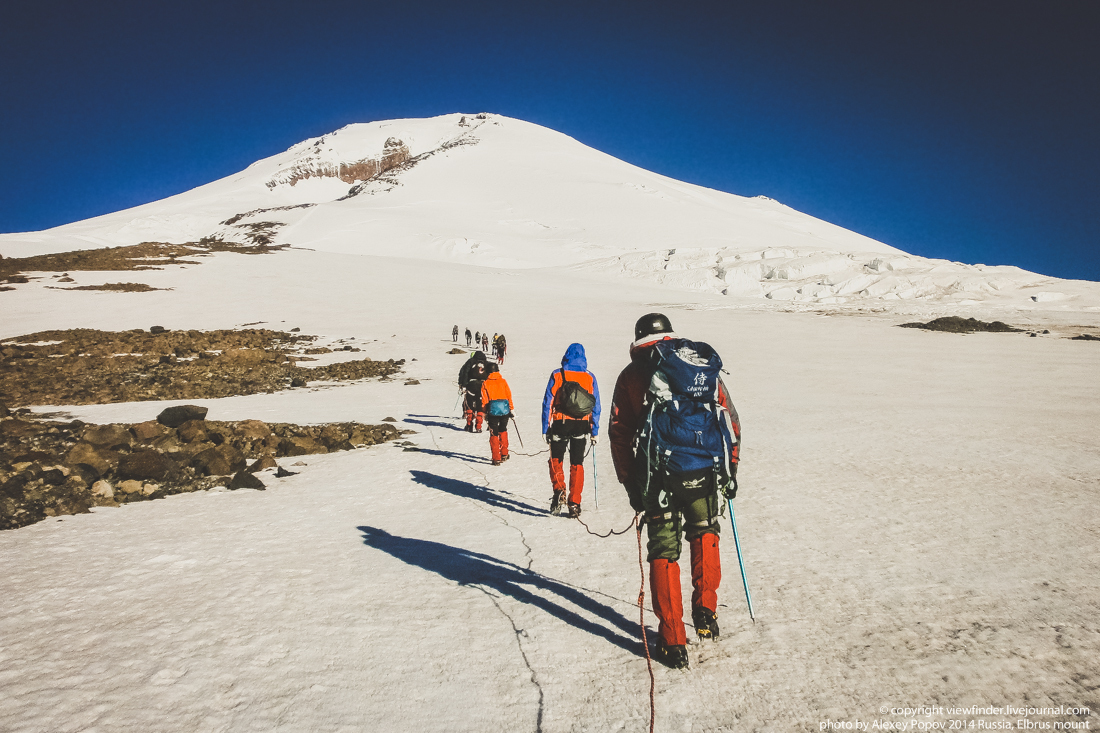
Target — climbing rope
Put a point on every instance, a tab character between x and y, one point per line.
610	532
641	607
645	641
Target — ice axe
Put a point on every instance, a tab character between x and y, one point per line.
740	561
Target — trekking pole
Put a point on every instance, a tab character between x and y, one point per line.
595	479
740	561
517	431
459	397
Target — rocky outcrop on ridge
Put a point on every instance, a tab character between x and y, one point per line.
315	165
86	366
52	468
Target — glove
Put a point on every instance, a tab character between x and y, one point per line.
546	437
595	439
730	490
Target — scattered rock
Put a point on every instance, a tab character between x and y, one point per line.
411	381
1086	337
245	480
157	329
87	456
389	419
104	489
301	446
192	431
957	324
263	463
299	463
130	486
173	417
457	350
281	472
148	430
297	382
113	437
148	465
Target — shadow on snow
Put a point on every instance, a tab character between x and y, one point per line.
434	423
473	569
466	490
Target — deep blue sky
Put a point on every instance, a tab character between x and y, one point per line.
962	129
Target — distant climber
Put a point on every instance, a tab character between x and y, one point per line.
501	348
570	418
454	334
675	439
468	337
496	396
485	342
470	379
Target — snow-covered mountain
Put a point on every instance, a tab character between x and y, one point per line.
499	192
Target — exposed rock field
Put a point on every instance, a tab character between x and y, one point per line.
87	366
52	468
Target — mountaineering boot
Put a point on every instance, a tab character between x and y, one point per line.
705	621
674	656
574	510
556	502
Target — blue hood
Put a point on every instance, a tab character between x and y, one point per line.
574	359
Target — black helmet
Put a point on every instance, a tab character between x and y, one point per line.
479	355
650	324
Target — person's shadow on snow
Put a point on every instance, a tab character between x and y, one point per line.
453	454
466	490
433	423
475	569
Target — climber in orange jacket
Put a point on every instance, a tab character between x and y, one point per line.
496	396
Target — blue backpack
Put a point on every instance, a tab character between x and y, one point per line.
686	431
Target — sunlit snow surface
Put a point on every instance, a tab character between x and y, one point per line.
918	515
917	510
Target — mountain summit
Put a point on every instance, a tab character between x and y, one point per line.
489	190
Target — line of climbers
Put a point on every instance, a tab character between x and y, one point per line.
481	341
675	440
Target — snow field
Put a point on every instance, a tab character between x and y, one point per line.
918	515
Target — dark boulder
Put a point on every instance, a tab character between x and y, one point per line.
112	437
173	417
145	465
245	480
220	461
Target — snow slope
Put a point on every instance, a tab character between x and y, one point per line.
499	192
918	513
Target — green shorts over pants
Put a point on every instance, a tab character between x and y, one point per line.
676	505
